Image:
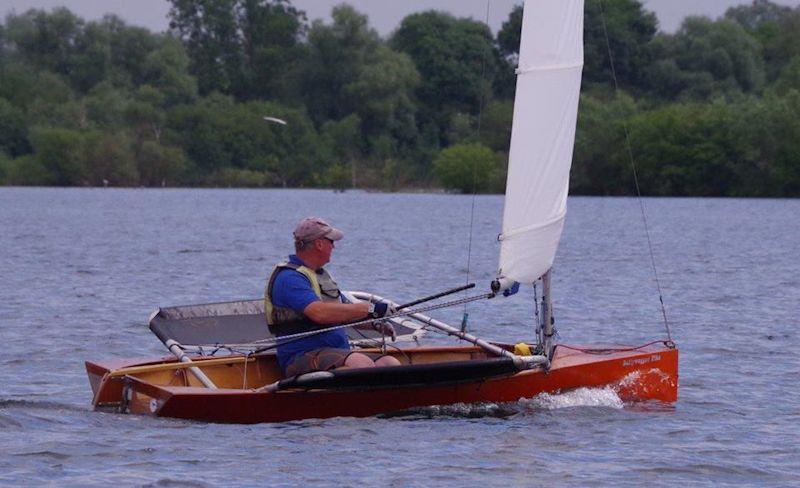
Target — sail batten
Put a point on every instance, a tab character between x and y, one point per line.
542	137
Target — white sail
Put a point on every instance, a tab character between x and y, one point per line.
542	137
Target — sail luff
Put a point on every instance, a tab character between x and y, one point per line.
542	136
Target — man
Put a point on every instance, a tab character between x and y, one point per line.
301	296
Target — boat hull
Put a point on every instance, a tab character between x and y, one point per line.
642	374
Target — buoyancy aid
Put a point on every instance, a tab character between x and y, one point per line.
284	321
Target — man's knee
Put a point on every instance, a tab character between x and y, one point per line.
358	360
387	361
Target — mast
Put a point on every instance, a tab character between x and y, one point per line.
548	322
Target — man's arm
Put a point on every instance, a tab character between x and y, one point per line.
325	313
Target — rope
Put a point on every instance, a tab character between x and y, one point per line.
629	151
475	171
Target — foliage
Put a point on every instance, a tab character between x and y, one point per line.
241	47
630	30
457	60
710	110
160	165
466	168
219	132
13	130
704	60
337	176
776	29
600	166
509	35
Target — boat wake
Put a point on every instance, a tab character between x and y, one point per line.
14	403
458	410
580	397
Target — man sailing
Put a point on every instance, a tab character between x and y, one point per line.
301	296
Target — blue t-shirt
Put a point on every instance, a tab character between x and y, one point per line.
293	290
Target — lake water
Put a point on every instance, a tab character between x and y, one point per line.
81	269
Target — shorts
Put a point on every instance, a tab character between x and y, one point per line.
324	359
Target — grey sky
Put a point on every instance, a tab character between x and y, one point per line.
384	15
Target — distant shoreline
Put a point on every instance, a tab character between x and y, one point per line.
403	191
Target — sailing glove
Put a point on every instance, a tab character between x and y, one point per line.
380	309
511	290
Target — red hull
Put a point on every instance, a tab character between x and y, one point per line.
649	373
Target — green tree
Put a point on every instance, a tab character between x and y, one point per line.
688	149
90	59
492	127
337	176
758	17
273	52
166	69
342	139
600	164
784	45
457	60
767	131
705	59
338	54
25	171
772	25
129	49
465	167
352	75
509	35
382	97
144	114
789	78
240	47
217	133
105	107
47	40
108	159
211	33
160	165
61	153
23	86
13	131
630	30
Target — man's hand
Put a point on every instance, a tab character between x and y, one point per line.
386	329
380	309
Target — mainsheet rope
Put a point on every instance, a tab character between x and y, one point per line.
629	150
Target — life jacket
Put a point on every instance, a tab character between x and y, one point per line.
285	321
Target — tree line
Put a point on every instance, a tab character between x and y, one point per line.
709	110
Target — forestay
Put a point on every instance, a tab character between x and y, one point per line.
542	137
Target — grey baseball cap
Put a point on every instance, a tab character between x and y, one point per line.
312	228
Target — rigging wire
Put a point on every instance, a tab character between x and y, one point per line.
481	101
612	350
629	151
